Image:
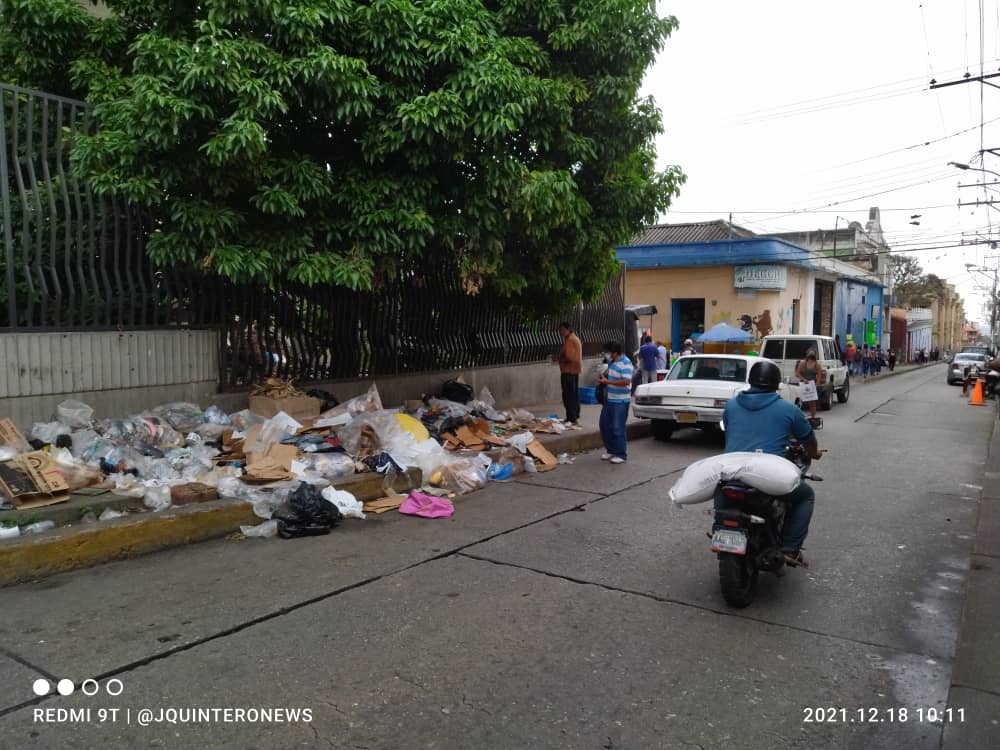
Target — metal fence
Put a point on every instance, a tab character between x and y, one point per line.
74	260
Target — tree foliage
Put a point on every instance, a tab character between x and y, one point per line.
351	142
911	286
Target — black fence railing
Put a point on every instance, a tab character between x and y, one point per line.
74	260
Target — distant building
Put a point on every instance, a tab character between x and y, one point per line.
704	273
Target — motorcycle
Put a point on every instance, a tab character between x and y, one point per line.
746	534
992	384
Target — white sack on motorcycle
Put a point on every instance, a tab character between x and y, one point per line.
771	474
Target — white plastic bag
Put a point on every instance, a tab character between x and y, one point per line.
348	505
109	514
771	474
74	413
521	440
261	530
48	432
808	392
276	429
156	496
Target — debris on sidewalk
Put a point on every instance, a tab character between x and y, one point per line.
284	455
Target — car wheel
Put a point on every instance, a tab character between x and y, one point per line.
845	392
825	400
662	429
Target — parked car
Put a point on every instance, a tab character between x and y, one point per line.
787	349
956	368
696	391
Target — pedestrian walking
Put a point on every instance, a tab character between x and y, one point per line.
892	360
661	356
614	413
647	360
570	360
811	375
851	354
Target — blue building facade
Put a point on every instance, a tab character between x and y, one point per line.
858	311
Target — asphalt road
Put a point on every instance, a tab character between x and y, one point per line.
575	609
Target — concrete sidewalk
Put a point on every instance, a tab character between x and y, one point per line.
975	680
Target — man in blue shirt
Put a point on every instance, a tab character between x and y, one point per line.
648	354
614	413
759	419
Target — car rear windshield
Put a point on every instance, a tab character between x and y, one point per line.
775	349
797	348
707	368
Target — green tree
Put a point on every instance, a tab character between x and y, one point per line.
353	142
911	287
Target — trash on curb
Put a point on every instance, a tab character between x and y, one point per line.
427	506
264	530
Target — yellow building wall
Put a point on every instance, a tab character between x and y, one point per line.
767	311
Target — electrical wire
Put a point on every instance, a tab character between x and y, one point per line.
930	68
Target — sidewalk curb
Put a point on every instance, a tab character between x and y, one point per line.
975	678
893	373
30	558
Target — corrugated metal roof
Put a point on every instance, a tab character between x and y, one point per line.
718	253
700	231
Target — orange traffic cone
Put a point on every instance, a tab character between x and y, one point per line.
977	394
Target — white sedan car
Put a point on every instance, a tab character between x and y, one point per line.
696	391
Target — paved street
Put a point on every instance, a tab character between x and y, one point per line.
575	609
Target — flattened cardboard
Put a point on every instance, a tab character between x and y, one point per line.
12	437
32	480
297	407
494	440
544	460
273	465
469	439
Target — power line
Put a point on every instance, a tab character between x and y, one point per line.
818	211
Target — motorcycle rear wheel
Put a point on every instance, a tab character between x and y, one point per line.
738	582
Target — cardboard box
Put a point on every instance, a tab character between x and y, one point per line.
32	480
297	407
544	460
192	492
12	437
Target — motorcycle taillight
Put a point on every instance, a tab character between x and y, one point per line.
733	494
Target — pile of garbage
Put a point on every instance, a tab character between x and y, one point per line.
284	455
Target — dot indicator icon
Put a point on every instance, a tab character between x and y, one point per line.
65	687
40	686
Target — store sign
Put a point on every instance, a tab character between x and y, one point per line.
761	277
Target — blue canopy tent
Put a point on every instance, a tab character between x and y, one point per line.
725	334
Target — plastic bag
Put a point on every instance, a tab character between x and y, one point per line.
348	505
276	429
127	485
771	474
76	473
264	530
501	472
486	398
449	408
215	415
82	440
371	432
48	432
521	440
156	496
464	475
427	506
38	527
180	415
109	514
244	420
308	514
73	413
456	390
329	465
370	401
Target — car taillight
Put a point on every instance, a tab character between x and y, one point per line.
661	376
720	403
731	494
734	524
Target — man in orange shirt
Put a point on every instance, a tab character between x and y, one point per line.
570	359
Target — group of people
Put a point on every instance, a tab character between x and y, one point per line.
866	360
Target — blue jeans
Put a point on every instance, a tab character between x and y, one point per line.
613	417
799	504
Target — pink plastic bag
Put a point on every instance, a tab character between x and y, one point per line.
428	506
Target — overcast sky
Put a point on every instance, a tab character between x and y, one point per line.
777	109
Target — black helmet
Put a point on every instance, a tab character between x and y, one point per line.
765	375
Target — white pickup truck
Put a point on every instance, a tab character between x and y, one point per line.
787	349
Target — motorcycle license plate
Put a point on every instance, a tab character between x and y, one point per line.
687	417
729	540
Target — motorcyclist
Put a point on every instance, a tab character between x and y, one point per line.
759	419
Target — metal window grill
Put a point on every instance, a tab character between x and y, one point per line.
73	260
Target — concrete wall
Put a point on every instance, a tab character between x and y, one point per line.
115	372
769	311
511	385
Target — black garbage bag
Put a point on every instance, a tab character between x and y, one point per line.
450	424
328	399
453	390
308	514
